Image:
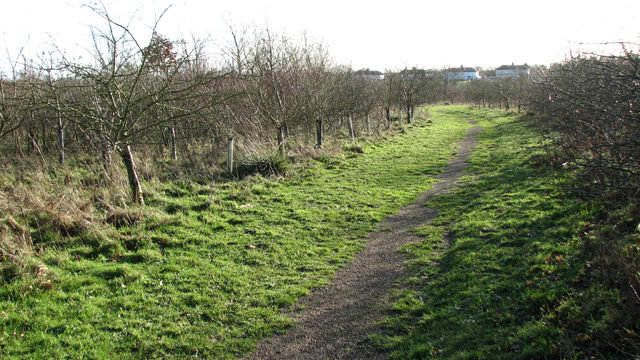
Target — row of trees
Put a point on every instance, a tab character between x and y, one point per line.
159	93
267	89
159	96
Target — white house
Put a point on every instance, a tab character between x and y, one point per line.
462	73
513	70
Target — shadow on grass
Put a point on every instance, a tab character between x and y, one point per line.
497	291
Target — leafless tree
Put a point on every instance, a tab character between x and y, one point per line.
130	80
590	103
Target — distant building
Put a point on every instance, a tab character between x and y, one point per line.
462	73
513	70
370	74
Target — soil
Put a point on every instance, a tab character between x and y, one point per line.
335	321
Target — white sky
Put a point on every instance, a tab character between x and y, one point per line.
377	35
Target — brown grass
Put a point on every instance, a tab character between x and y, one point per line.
42	205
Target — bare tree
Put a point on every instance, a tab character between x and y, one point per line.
274	85
590	103
414	88
128	82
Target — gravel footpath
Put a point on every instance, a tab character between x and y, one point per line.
335	320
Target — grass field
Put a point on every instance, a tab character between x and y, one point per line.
203	270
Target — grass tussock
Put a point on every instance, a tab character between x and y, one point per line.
353	147
266	164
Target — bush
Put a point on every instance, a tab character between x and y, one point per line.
591	106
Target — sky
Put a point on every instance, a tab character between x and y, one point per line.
377	35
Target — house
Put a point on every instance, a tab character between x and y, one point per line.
370	74
461	73
513	70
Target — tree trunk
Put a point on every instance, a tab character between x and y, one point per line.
319	133
409	114
387	110
174	151
134	182
400	117
230	155
352	134
281	140
60	142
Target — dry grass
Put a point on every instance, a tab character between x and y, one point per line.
43	205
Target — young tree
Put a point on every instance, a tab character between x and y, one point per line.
349	97
128	82
413	88
274	85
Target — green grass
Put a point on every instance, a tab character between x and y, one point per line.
512	285
205	269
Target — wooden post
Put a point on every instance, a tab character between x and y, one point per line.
174	152
368	125
230	155
319	133
352	134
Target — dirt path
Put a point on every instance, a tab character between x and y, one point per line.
337	318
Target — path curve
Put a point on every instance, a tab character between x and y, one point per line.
337	318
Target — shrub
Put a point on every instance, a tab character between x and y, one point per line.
589	104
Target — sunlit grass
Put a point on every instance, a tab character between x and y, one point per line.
205	269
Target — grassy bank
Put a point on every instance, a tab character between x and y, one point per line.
524	276
203	270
